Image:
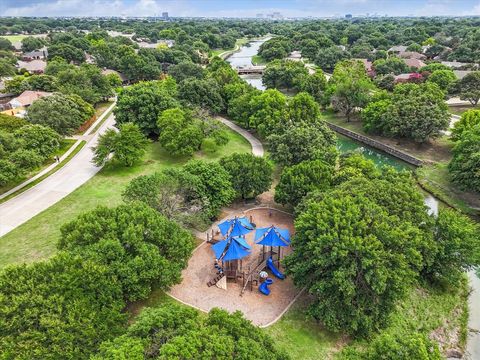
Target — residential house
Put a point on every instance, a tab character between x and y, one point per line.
26	98
415	63
120	75
397	49
368	66
460	74
41	54
295	56
408	77
33	67
412	55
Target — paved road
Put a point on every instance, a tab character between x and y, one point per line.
473	342
76	172
257	147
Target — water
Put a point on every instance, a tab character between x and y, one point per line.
243	58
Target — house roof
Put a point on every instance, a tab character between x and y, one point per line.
416	63
460	74
28	97
367	63
411	55
453	64
398	48
110	71
32	66
43	52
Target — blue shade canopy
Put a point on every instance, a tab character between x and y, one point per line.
231	249
235	227
272	236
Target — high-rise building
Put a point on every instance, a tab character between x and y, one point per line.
165	15
348	16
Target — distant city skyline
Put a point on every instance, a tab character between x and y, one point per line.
239	8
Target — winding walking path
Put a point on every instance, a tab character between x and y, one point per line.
257	147
40	197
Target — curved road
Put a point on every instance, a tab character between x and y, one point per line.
33	201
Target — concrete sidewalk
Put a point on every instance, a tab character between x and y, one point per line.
87	137
257	147
33	201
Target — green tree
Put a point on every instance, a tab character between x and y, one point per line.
63	113
443	78
41	139
268	110
128	145
67	52
251	175
214	185
205	93
177	332
140	247
284	74
302	108
8	172
73	305
174	193
303	142
142	104
470	87
185	70
298	180
316	86
31	43
467	122
350	87
392	65
180	134
458	247
463	167
10	123
355	260
7	68
414	111
327	58
396	347
5	44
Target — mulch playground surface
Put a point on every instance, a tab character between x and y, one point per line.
258	308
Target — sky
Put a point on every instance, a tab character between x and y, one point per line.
238	8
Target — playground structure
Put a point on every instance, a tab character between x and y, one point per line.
260	309
234	247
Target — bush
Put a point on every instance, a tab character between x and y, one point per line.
11	123
139	246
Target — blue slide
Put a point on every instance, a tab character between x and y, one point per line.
263	288
274	270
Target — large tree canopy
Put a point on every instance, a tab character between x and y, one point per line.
142	104
179	332
63	113
139	246
418	112
251	175
58	309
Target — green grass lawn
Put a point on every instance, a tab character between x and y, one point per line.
36	239
14	38
258	60
459	110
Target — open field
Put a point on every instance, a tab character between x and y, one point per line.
36	238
